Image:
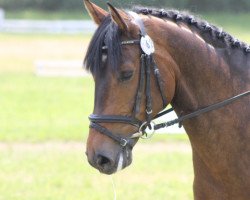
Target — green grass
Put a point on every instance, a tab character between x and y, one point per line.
235	24
36	109
38	114
57	171
39	108
27	48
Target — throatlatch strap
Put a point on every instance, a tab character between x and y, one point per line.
148	90
140	87
159	83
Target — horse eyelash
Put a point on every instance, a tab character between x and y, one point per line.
125	75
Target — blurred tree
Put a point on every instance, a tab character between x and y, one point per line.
193	5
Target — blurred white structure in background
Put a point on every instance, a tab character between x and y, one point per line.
2	16
48	26
45	26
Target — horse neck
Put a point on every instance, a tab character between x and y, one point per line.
202	75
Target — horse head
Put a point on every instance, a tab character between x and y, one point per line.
126	65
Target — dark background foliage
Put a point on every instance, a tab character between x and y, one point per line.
193	5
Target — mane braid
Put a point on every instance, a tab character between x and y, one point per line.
210	33
107	34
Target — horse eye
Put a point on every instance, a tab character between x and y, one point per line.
125	75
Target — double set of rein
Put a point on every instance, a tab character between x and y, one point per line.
147	62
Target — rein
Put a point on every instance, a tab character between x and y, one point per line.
198	112
146	63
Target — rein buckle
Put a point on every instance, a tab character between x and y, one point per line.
145	131
149	112
123	142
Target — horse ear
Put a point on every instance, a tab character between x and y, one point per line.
95	12
119	17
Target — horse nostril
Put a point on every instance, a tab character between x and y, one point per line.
103	162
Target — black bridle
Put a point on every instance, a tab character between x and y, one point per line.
146	63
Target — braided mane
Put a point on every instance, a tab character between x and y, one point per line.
210	33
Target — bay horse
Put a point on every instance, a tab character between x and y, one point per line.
142	61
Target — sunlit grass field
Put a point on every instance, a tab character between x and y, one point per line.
44	126
55	170
39	108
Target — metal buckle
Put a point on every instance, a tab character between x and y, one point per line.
147	133
149	112
156	71
136	135
123	142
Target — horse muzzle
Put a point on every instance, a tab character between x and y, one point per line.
108	163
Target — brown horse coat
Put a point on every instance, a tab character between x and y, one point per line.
201	65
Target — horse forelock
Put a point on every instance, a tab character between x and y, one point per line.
107	34
211	34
